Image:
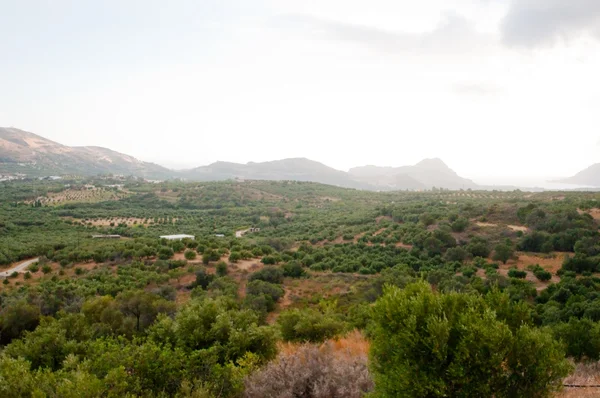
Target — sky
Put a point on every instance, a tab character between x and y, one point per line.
498	89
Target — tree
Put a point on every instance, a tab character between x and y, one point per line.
503	252
221	268
436	345
456	254
203	279
234	257
460	224
143	306
165	253
16	318
190	255
268	274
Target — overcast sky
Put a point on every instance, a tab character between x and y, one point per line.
493	87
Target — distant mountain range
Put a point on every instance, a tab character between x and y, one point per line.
29	154
587	177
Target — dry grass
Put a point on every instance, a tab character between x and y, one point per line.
336	369
584	375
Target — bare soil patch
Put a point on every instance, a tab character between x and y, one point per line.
595	213
485	224
517	228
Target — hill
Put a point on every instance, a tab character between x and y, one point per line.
589	176
28	153
32	155
426	174
295	169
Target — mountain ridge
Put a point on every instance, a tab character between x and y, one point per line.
589	176
30	154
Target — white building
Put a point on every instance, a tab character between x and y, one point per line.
178	237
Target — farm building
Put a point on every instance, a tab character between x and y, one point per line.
106	236
178	237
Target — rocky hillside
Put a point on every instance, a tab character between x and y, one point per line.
28	153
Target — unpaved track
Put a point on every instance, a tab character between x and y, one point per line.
239	234
19	268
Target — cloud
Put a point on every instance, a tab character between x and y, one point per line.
453	35
531	23
475	89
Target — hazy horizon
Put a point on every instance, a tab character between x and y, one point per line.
495	88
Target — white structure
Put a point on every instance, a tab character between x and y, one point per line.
177	237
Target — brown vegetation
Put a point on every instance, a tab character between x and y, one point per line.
336	369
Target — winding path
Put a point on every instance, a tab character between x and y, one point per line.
19	268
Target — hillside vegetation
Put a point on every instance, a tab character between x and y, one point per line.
338	292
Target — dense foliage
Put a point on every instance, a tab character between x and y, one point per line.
514	275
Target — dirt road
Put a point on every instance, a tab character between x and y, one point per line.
19	268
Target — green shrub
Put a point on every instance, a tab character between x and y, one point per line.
190	255
268	274
516	273
428	344
221	268
309	325
293	269
35	267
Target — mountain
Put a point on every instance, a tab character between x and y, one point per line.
28	153
296	169
589	177
32	155
426	174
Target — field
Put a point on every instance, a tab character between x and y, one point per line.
313	272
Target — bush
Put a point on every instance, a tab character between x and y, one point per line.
190	255
542	274
460	224
293	270
308	325
268	274
165	253
456	254
27	275
455	344
234	257
203	279
35	267
270	291
46	269
516	273
269	260
312	373
221	268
